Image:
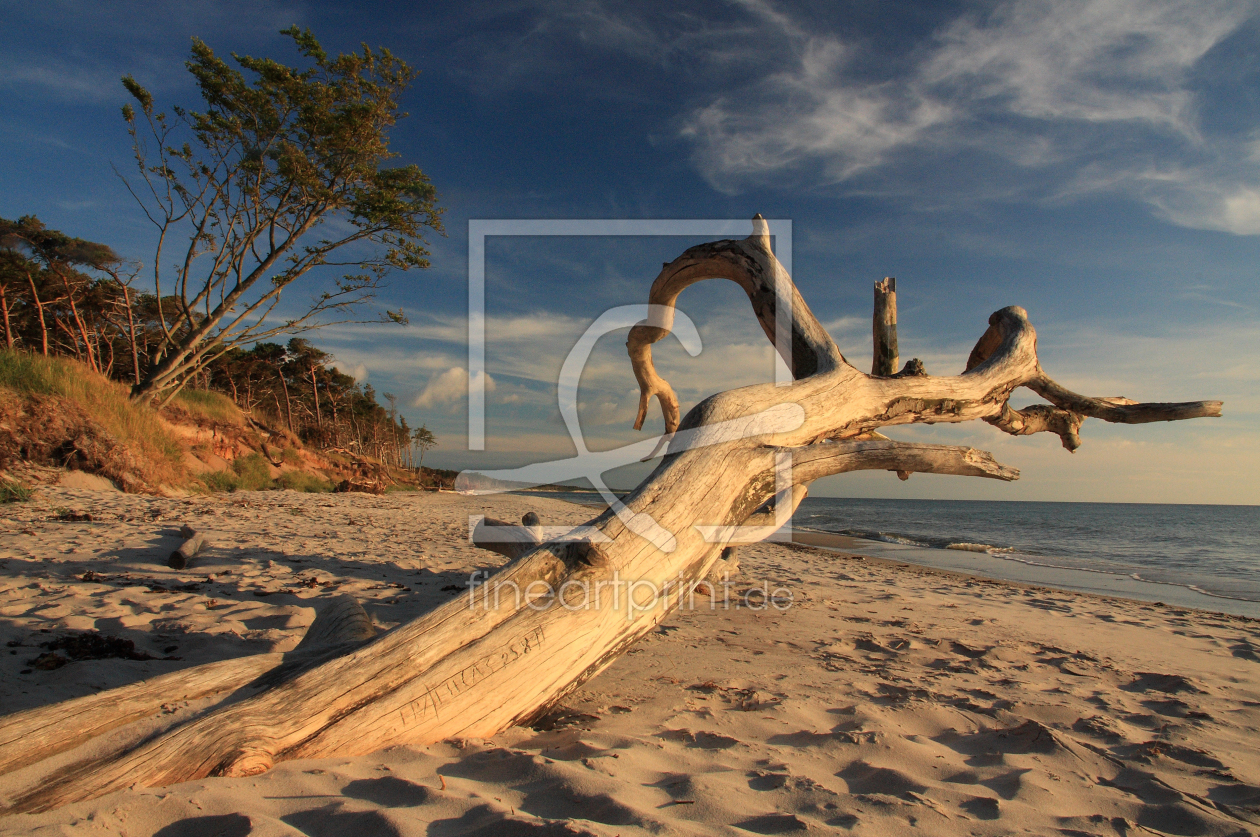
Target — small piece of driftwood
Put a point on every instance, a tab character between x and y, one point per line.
508	539
196	541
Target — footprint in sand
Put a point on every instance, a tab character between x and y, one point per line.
390	792
1171	684
981	807
215	825
331	821
773	824
702	740
865	778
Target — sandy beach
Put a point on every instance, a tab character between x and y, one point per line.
884	699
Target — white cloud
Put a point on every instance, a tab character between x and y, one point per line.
447	388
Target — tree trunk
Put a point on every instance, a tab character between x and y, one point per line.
80	325
279	410
39	309
8	329
319	418
563	610
288	405
107	368
131	334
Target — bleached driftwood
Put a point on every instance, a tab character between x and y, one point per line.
508	539
27	737
194	542
484	662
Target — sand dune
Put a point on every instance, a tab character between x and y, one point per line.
884	700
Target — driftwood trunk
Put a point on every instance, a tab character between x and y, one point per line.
560	612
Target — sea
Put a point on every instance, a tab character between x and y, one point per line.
1198	556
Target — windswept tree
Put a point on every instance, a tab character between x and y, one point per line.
283	173
52	264
423	439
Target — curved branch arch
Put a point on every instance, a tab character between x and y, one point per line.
804	345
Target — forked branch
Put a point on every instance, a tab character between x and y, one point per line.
1003	360
1068	410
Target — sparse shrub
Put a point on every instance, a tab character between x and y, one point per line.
211	406
291	456
221	480
302	481
253	473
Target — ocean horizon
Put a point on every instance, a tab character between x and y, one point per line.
1205	556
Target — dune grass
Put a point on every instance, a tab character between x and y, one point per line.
214	406
302	481
250	473
14	492
133	424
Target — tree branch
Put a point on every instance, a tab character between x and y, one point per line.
827	458
751	264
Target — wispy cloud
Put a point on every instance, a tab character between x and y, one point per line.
1020	100
1069	98
91	74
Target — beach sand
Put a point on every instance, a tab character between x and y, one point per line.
885	699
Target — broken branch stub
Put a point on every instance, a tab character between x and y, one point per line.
884	329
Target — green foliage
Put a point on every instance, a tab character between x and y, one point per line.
278	152
423	439
52	249
50	279
301	481
14	492
249	473
291	456
220	481
253	473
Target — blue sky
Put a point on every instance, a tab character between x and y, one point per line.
1097	162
